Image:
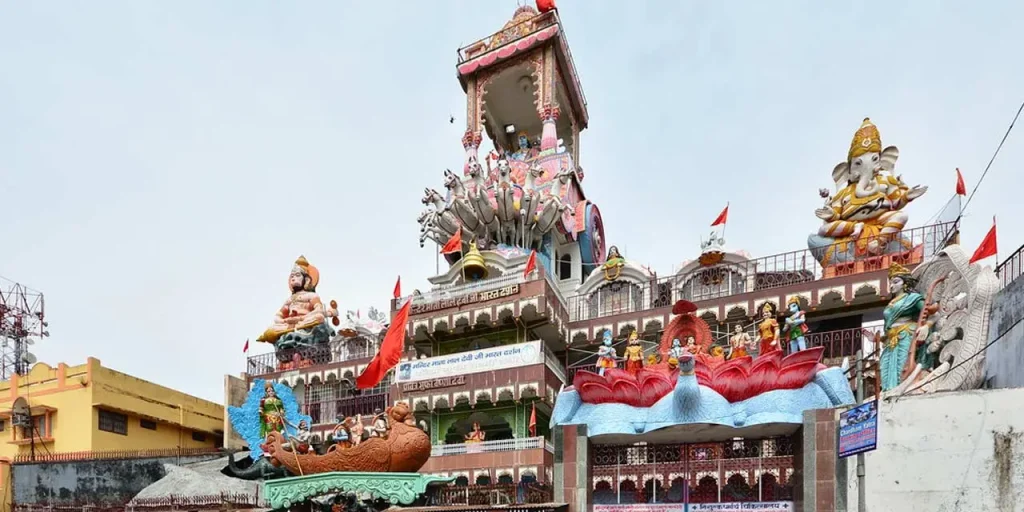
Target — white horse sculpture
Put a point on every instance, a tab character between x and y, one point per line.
552	207
504	196
529	202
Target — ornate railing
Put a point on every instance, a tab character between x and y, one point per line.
507	35
728	279
504	445
742	470
492	494
328	411
553	363
337	351
113	455
1011	268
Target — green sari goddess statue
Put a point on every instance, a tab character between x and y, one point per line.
901	320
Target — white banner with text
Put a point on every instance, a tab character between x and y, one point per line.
476	361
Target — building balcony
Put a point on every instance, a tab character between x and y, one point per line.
511	460
340	350
716	286
504	445
493	494
1011	268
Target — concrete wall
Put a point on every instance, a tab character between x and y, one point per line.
106	482
946	452
235	392
1004	360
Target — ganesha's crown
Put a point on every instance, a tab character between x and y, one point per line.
866	140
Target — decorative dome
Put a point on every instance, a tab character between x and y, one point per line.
518	26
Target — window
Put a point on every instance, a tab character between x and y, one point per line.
39	426
113	422
3	425
199	436
148	425
565	267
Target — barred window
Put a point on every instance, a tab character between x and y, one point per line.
148	425
113	422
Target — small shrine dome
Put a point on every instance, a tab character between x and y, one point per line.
617	286
715	273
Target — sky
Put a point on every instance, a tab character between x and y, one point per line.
162	164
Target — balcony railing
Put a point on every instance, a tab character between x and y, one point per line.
507	35
504	445
328	411
1011	268
337	351
492	494
553	363
728	279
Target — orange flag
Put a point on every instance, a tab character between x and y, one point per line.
454	243
533	421
390	351
531	264
722	217
245	349
398	287
988	245
961	189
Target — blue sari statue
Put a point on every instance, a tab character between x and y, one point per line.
901	317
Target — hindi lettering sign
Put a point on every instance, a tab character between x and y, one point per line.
858	429
484	360
462	300
646	507
443	382
763	506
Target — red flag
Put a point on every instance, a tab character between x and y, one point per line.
961	189
390	351
245	349
545	5
533	421
722	217
454	243
531	264
988	245
398	287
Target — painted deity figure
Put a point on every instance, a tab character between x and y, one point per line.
634	353
356	430
768	330
691	345
677	351
739	342
606	355
476	435
340	434
271	412
380	425
867	209
900	316
796	326
613	264
300	442
303	318
525	151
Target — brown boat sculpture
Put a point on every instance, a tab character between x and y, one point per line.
405	450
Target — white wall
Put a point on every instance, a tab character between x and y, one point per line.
946	452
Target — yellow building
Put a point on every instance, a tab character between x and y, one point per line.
89	408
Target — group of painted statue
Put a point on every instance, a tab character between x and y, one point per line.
347	433
515	202
793	329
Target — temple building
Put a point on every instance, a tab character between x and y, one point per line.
550	371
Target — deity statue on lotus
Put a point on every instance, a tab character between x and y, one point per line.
634	353
302	320
796	326
606	355
767	330
739	342
865	216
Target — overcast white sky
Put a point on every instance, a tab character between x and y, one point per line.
163	164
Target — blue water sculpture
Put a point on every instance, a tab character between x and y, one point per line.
246	419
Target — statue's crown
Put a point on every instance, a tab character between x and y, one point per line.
793	300
866	140
895	270
309	270
767	307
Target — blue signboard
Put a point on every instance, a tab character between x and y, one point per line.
858	429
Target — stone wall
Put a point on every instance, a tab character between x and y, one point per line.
94	482
1004	360
946	451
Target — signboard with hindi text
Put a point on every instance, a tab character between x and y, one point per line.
765	506
475	361
858	429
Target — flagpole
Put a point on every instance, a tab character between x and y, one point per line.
726	223
996	267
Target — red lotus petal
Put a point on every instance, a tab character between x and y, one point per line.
613	374
596	393
585	376
626	392
796	376
739	362
764	372
811	354
732	383
654	385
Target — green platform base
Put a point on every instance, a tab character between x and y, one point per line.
397	488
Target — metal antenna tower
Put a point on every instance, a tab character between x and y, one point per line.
21	323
